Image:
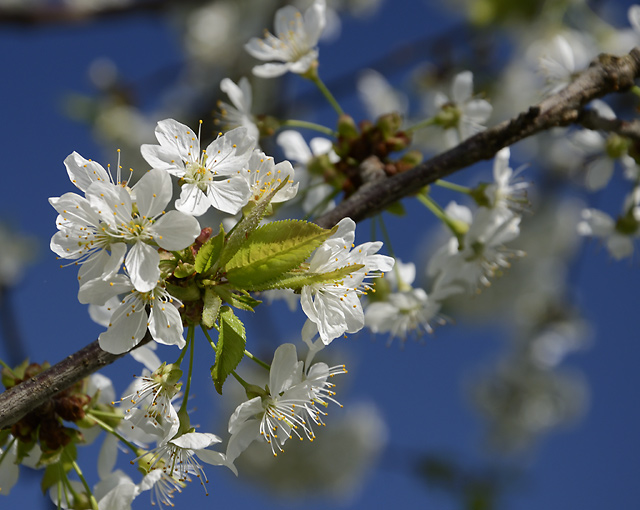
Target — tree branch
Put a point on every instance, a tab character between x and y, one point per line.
23	398
591	119
606	75
65	15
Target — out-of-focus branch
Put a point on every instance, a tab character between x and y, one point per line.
606	75
65	15
591	119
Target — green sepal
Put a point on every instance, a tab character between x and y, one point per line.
243	301
396	208
297	280
211	307
4	436
167	266
52	475
184	270
58	469
479	194
209	252
243	229
189	292
230	347
49	458
25	447
272	250
8	380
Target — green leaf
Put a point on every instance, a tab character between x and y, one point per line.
247	225
272	250
242	301
297	280
212	303
245	301
209	252
230	347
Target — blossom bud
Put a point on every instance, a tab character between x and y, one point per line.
448	117
627	224
389	124
267	125
347	128
71	408
204	236
616	146
412	158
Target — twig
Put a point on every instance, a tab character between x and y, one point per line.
606	75
591	119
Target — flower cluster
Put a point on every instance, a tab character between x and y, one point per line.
115	223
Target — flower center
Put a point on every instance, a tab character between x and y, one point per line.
196	173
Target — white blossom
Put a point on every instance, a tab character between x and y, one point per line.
178	457
316	191
562	57
238	114
461	116
618	236
130	320
263	176
209	178
481	257
280	414
402	313
294	47
109	219
334	307
506	192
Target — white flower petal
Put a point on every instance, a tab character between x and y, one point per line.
125	332
285	369
462	87
165	325
142	264
599	173
244	412
270	70
196	440
164	158
82	172
175	230
10	470
153	192
229	195
192	200
294	146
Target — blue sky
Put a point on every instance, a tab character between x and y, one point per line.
419	389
